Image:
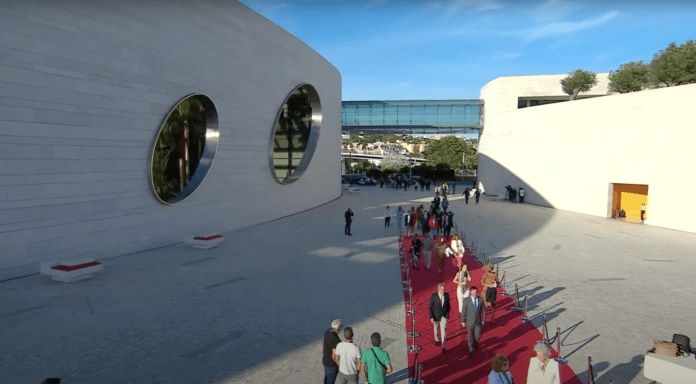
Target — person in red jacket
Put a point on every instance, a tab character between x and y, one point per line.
434	225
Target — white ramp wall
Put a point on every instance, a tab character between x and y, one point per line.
566	155
84	89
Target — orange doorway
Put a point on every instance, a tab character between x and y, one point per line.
629	197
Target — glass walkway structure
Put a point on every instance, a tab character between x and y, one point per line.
413	116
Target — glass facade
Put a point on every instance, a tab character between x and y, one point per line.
413	116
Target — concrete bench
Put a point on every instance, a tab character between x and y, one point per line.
69	271
204	242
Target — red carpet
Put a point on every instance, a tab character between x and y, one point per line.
510	336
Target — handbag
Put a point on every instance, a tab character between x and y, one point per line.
665	348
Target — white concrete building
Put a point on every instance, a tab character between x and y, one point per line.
592	156
85	89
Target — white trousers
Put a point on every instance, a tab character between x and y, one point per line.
460	298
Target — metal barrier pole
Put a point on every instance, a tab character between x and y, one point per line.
589	370
504	292
516	308
558	347
526	319
413	334
544	339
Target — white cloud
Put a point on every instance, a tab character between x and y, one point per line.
552	11
559	28
475	5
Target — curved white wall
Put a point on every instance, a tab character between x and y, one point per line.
566	154
84	90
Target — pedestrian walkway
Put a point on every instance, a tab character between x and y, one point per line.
254	309
507	334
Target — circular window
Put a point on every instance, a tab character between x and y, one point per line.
185	148
296	134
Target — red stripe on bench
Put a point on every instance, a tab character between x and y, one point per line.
68	268
207	238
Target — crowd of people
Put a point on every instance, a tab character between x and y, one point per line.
344	361
511	194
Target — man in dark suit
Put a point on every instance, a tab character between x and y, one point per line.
473	315
439	313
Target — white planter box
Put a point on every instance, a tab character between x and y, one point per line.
204	242
69	276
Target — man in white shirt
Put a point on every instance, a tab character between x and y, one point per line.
347	356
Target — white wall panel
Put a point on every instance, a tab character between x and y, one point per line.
84	88
566	155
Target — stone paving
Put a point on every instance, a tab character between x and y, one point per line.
254	309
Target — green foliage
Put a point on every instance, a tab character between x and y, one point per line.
364	166
631	77
448	150
404	170
375	173
675	65
578	81
388	138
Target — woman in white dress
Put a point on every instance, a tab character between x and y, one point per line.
462	279
543	369
458	251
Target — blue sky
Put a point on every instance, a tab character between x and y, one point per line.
391	50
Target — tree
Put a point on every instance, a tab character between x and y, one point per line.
447	150
394	162
578	81
631	77
675	65
364	166
389	138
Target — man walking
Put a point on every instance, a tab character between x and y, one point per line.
376	363
349	220
331	340
449	223
347	356
466	195
410	221
439	313
521	195
477	194
473	318
513	194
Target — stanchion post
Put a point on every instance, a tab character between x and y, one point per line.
516	308
558	347
504	293
544	339
413	334
526	318
589	370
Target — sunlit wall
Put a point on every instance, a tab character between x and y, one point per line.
85	89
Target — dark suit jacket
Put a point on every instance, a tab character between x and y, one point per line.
470	315
437	311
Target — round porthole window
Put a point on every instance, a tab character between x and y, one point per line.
296	134
184	149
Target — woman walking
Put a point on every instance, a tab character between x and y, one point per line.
440	254
462	279
458	251
399	216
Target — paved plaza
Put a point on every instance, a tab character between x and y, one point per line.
254	309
